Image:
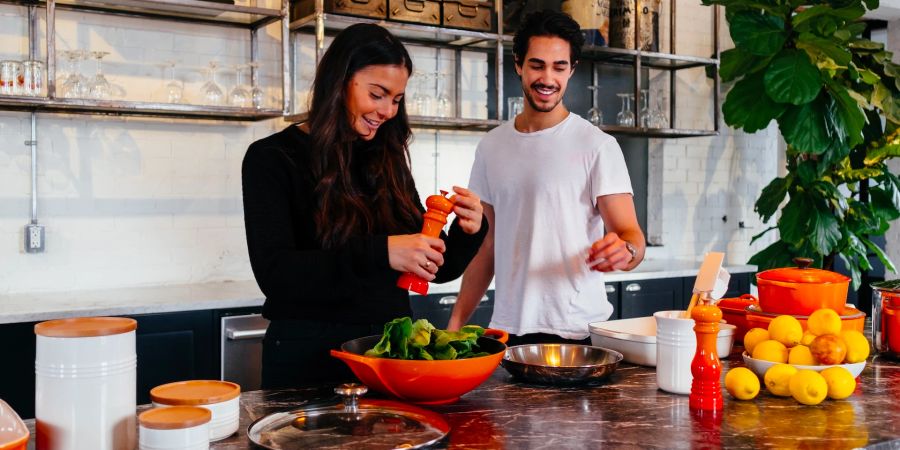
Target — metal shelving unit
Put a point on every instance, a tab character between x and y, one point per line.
322	24
192	11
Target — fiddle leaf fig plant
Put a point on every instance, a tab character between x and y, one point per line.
836	99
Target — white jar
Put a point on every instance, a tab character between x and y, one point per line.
221	398
676	344
85	384
175	428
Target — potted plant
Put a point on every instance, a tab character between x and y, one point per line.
835	98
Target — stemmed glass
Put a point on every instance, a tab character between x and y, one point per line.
658	117
257	96
423	102
212	93
644	114
174	89
99	85
239	96
625	117
595	115
74	85
444	106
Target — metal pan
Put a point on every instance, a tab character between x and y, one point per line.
560	364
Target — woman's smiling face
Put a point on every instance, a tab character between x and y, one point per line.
373	97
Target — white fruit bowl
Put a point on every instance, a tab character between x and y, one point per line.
759	366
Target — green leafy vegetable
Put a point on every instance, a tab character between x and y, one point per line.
405	339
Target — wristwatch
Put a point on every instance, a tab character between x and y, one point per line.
631	249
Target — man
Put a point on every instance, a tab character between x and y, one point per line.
550	182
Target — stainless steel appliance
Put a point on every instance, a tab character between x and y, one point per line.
241	344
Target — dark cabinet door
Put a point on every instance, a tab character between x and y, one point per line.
645	297
438	307
17	382
614	295
175	347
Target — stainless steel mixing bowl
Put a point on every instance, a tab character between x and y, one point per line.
560	363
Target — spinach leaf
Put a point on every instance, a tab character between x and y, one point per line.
404	339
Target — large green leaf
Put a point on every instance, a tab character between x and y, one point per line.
850	12
772	195
758	34
747	106
885	203
735	63
849	117
778	254
888	264
878	154
792	78
865	45
825	47
883	99
807	127
826	233
795	216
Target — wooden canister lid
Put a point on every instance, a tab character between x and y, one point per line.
195	392
174	417
85	327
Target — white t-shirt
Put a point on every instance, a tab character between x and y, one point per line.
543	187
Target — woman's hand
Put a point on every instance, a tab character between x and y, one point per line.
416	253
468	208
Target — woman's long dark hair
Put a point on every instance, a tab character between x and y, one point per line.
381	165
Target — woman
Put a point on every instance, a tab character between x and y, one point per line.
333	216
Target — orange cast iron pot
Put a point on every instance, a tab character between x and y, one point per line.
424	382
801	290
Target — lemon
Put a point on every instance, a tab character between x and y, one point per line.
770	351
808	387
801	356
824	321
742	383
778	379
840	382
857	346
786	329
807	338
753	337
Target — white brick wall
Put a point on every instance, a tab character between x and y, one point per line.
134	201
893	234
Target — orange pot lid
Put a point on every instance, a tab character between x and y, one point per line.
802	274
174	417
195	392
85	327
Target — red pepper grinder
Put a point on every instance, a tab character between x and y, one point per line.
439	206
706	392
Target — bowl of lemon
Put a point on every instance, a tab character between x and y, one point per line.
810	365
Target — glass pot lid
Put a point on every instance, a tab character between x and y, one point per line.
802	274
356	423
887	286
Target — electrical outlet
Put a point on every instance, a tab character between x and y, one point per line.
34	238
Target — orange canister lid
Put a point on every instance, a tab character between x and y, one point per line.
174	417
195	392
85	327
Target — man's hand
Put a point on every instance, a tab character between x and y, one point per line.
608	254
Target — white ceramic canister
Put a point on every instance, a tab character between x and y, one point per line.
221	398
85	384
676	344
174	428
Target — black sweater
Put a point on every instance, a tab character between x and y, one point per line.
351	283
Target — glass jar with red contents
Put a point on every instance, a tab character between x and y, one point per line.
886	317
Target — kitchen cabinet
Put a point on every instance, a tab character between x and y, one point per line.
170	347
438	307
645	297
222	14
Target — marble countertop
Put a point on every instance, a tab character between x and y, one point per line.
628	411
35	307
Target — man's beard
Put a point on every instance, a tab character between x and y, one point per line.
534	105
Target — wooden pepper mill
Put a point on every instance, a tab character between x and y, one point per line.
439	207
706	392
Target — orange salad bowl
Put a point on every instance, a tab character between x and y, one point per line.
420	381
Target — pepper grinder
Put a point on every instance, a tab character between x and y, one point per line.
706	392
439	206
